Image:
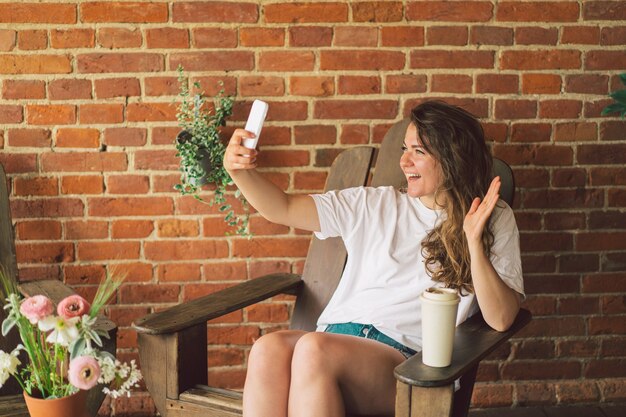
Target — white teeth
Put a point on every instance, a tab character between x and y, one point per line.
414	176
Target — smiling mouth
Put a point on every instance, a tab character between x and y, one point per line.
413	176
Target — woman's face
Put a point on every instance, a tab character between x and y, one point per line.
422	171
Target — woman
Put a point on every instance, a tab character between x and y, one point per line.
443	230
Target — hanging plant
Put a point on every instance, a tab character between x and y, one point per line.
201	150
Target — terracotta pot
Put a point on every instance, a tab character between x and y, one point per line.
71	406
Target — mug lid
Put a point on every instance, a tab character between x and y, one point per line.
440	294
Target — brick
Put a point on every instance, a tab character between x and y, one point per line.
119	62
163	135
236	335
356	36
260	227
612	219
612	130
116	87
539	242
267	313
355	109
123	12
377	11
257	86
177	228
604	10
179	272
125	316
600	241
35	64
492	395
269	247
278	111
540	60
286	61
31	40
8	40
612	304
450	83
86	230
214	38
532	132
260	36
607	176
213	85
409	83
580	35
532	349
587	84
159	160
541	84
613	389
72	38
82	184
447	35
213	61
535	393
225	357
604	283
310	36
576	132
11	114
128	184
451	59
129	229
39	138
576	198
522	370
284	158
77	138
491	35
605	60
149	293
35	186
23	89
601	154
224	270
125	136
60	114
42	253
185	250
577	305
37	13
38	230
142	112
612	35
569	177
607	325
167	38
577	348
497	83
47	207
560	109
101	113
402	36
440	11
130	206
536	36
215	11
547	11
357	85
114	38
84	162
315	134
312	86
515	109
305	12
97	251
362	60
606	368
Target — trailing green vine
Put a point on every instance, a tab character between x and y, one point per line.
201	150
620	100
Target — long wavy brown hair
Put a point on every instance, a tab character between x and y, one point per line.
455	138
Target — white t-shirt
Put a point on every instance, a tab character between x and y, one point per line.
385	274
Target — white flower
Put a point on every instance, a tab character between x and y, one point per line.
8	364
64	331
114	370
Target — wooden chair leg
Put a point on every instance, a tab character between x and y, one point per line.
414	401
463	396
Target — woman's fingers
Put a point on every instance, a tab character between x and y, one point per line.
238	156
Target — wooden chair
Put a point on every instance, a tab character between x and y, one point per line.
11	399
174	358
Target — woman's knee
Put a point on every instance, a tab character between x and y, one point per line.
272	347
313	354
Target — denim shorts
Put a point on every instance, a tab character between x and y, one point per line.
369	332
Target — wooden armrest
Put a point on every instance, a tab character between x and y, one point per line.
473	340
217	304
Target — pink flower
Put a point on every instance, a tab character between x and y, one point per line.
84	372
36	308
73	306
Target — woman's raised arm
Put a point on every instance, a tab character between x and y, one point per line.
270	201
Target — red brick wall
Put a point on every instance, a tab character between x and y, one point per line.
86	128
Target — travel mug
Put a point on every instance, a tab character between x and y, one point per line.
439	307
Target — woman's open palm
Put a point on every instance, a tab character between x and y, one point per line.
479	212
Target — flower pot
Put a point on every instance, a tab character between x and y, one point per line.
202	158
74	405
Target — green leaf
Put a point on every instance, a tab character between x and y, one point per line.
619	95
623	78
77	347
8	324
613	108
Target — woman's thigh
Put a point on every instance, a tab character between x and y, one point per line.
363	368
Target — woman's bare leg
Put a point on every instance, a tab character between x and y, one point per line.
266	389
332	373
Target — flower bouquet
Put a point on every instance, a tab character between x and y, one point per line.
63	348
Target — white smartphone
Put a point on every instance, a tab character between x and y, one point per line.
255	122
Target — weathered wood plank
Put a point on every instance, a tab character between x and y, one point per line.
217	304
403	399
13	406
473	340
432	402
178	408
227	399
